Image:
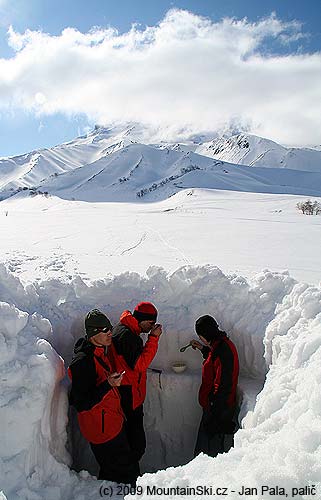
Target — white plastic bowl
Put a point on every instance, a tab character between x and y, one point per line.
178	367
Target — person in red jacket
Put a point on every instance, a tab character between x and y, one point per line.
95	395
217	394
129	354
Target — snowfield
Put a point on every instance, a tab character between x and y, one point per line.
238	232
124	221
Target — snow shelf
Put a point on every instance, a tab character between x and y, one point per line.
275	323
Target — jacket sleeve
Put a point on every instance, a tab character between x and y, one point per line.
223	380
84	392
137	356
205	351
207	383
147	355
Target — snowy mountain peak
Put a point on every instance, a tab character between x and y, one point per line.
130	131
252	150
120	163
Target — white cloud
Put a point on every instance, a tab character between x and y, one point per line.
187	72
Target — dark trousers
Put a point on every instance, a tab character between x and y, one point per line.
115	460
134	426
212	443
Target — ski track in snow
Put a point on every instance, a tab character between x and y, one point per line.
142	239
171	247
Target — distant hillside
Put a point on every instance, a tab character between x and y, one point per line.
256	151
112	164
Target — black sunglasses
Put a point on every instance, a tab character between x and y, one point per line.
105	329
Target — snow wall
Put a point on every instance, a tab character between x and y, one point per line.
276	325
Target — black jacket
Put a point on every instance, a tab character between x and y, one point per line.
85	393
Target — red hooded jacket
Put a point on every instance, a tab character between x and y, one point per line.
130	354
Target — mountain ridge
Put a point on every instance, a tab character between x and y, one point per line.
131	170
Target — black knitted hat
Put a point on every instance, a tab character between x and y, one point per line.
95	321
207	327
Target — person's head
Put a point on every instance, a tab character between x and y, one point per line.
146	315
207	329
98	328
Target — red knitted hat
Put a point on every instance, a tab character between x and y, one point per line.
145	311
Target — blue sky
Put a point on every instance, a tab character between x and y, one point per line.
25	126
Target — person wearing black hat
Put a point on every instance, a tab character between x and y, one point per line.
217	394
94	394
129	354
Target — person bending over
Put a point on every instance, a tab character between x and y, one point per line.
129	354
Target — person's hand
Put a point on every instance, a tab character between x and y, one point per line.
114	379
156	331
196	345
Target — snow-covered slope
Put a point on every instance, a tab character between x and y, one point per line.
116	164
139	172
31	169
259	152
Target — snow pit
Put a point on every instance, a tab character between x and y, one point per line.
276	325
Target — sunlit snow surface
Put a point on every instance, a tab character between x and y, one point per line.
239	232
60	258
